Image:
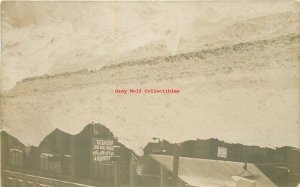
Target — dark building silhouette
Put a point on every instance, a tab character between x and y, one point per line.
62	159
95	158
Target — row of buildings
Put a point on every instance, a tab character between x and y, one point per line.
95	158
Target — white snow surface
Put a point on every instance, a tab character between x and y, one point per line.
247	94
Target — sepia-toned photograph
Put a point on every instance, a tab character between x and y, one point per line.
150	93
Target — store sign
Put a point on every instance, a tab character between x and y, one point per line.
222	152
103	150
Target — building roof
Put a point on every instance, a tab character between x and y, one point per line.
204	172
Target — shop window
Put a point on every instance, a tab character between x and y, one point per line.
16	157
46	162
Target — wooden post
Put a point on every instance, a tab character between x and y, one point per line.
175	165
163	177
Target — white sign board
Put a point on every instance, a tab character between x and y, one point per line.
103	150
222	152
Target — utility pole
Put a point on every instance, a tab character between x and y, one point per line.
176	152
